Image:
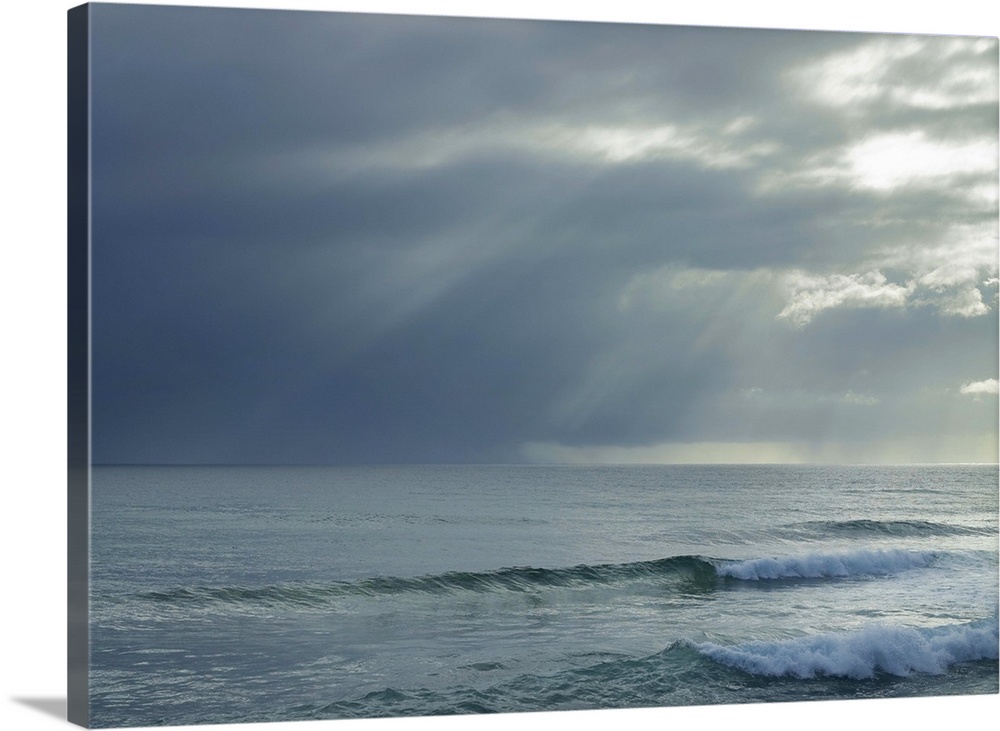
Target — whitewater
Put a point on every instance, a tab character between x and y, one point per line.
227	594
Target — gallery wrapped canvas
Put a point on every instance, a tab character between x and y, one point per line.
423	366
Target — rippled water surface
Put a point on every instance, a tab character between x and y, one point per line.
271	593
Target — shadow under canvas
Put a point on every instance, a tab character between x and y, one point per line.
50	706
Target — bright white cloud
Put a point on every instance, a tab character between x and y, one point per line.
954	72
847	78
989	386
950	278
886	161
957	276
811	294
904	73
965	301
954	274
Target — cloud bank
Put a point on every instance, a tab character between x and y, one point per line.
392	239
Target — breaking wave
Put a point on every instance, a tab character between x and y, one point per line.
827	565
864	653
687	673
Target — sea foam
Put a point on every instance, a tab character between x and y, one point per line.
863	653
822	565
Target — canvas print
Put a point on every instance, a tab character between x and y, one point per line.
426	365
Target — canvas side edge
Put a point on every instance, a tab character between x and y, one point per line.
78	365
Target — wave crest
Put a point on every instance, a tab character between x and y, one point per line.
893	528
517	579
686	574
826	565
864	653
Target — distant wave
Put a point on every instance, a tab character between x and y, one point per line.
826	565
863	653
693	574
894	528
518	579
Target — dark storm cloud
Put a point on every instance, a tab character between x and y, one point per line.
334	237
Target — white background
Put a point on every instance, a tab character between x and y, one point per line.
33	356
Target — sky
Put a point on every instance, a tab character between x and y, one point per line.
340	238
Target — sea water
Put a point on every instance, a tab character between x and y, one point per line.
231	594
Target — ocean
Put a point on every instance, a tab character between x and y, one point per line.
243	594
